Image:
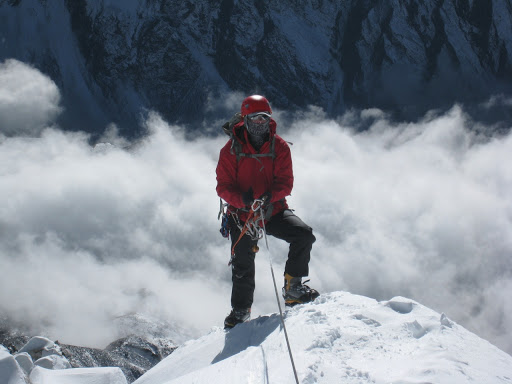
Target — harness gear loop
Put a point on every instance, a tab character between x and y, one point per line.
251	226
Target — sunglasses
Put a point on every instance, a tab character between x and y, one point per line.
259	117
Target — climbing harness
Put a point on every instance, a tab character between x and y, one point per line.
251	227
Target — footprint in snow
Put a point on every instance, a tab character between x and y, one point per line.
367	321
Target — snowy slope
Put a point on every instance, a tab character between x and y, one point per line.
341	338
78	376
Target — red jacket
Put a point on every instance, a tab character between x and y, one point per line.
262	174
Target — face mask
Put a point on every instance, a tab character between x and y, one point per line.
258	124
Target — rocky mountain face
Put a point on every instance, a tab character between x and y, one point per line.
113	60
134	354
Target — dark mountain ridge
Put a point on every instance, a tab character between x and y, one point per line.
114	60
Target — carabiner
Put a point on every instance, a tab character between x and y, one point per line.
256	204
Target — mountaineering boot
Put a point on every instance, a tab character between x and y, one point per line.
237	316
294	292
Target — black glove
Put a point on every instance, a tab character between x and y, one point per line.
248	197
266	197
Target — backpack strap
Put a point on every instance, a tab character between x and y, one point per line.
236	148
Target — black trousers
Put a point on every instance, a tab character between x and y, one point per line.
285	226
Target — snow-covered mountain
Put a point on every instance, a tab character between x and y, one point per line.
340	338
147	343
113	59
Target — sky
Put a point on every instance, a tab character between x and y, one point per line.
88	234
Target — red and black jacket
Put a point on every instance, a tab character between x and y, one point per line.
238	174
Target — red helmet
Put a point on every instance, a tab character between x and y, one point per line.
254	104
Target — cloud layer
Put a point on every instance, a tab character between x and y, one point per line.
89	234
29	100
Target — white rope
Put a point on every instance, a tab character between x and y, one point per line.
275	289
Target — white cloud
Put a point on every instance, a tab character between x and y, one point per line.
420	210
229	101
87	234
63	200
497	101
29	100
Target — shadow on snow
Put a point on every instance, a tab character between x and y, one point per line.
245	335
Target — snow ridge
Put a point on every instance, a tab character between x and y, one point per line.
339	338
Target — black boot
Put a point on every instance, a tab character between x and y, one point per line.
237	316
294	292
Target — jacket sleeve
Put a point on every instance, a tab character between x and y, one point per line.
282	184
227	188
